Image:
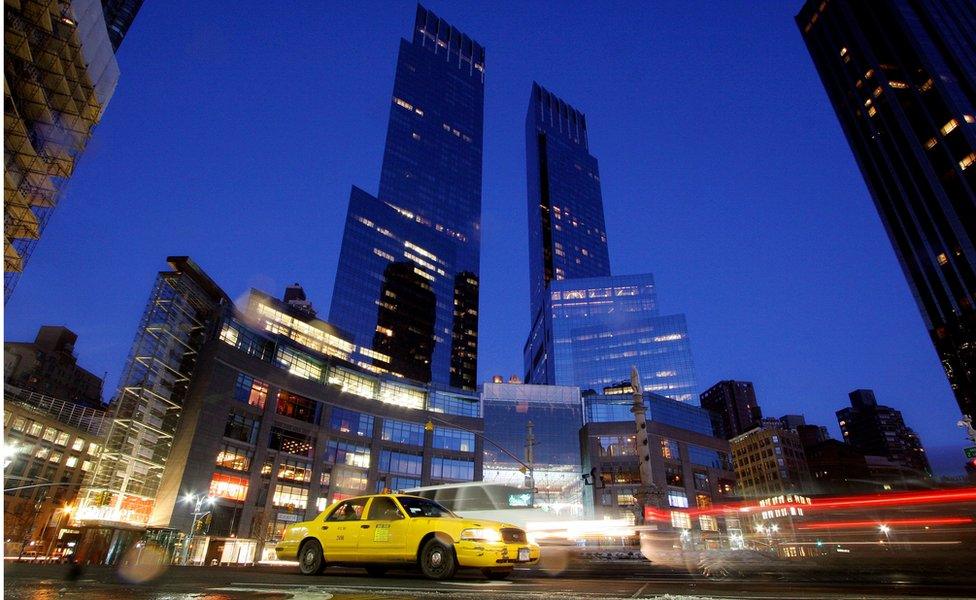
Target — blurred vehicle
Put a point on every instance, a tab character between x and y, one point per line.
384	531
510	504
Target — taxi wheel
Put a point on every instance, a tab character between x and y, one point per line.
437	560
310	559
497	574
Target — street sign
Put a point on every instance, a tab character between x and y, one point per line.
970	452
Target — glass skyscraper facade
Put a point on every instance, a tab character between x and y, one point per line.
408	275
901	76
60	73
588	326
567	234
601	326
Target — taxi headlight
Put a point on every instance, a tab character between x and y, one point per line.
481	535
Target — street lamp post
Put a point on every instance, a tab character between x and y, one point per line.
199	501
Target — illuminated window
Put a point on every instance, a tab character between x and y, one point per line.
236	459
291	442
55	457
350	421
680	520
353	383
948	127
674	476
290	496
708	523
86	465
943	259
299	364
250	391
703	500
50	434
297	407
898	85
872	111
403	103
669	449
295	470
969	118
354	480
79	445
340	452
930	143
677	499
227	486
968	161
71	462
401	395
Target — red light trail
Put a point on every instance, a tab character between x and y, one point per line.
887	523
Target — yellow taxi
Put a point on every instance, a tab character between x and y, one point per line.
384	531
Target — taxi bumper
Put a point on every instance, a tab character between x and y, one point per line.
494	554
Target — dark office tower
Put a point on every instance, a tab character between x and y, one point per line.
878	430
567	235
734	405
901	75
298	302
405	321
119	15
428	210
60	73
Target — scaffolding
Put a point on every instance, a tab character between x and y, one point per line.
59	74
147	409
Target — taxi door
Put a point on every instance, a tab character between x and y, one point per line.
383	534
339	531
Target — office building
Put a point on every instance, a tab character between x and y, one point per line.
690	466
597	328
49	365
60	73
408	274
588	326
275	415
567	234
733	406
769	461
810	435
50	447
902	80
878	430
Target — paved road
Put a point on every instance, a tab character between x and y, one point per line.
43	582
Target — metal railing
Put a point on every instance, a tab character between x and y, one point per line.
92	420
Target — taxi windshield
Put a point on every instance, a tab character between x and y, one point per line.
422	507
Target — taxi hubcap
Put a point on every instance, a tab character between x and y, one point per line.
309	557
435	559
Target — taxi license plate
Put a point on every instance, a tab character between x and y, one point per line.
523	555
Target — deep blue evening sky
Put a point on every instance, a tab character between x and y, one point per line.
235	134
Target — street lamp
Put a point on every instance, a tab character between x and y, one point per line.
199	501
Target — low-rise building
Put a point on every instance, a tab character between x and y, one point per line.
690	466
49	366
50	446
